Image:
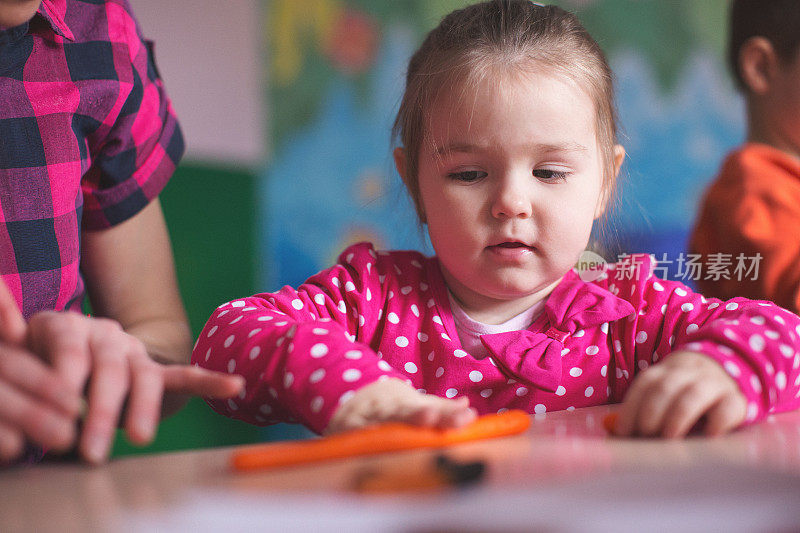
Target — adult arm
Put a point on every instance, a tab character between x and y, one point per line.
130	277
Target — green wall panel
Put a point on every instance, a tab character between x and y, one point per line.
211	213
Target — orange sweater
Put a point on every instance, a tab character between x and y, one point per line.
753	207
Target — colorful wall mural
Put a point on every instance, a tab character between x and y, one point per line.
336	72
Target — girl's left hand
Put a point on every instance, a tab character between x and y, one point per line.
669	398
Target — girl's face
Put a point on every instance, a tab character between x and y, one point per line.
510	188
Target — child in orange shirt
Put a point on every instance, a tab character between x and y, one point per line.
751	213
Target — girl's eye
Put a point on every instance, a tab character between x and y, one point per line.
467	175
550	175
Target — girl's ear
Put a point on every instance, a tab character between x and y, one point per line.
400	162
399	154
619	158
758	62
608	188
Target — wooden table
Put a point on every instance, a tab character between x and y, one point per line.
564	474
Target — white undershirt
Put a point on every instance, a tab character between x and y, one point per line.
470	331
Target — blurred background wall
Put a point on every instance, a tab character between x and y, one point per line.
286	106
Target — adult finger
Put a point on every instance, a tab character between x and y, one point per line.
62	339
144	400
24	371
197	381
37	421
726	415
107	390
12	325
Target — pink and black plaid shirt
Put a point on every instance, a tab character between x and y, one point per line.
87	138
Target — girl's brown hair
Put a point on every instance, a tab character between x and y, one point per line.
506	34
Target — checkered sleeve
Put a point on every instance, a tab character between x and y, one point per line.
138	144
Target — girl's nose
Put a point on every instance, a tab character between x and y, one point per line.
512	199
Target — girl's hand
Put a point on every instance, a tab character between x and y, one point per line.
393	400
669	398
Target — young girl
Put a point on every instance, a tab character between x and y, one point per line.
507	129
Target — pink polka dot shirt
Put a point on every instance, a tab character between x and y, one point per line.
377	315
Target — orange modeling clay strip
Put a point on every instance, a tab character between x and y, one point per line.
610	422
378	439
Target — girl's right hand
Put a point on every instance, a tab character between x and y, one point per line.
672	397
393	400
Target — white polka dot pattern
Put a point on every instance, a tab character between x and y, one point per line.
383	316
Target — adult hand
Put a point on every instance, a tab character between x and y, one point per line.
49	363
669	398
35	402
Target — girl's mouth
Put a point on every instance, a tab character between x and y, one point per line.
512	245
511	250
